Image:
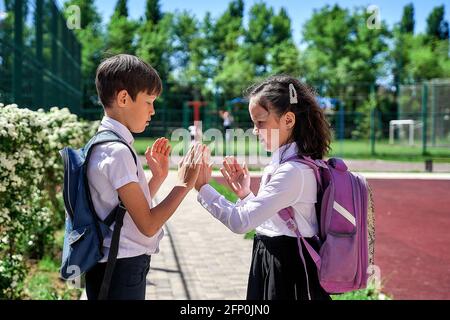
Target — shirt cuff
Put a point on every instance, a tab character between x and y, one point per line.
248	197
208	194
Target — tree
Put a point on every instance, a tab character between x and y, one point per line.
343	55
426	61
186	37
423	56
207	32
120	31
121	9
153	11
407	22
235	74
258	35
284	58
437	27
281	27
231	61
402	31
284	54
228	29
154	44
91	38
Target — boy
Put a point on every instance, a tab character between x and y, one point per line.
127	88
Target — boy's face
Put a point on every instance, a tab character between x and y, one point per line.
138	113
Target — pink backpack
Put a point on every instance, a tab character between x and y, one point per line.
342	210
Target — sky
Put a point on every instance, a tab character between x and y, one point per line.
299	10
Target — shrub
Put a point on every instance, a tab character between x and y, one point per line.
31	174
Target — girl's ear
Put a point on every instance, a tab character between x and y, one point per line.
290	120
121	98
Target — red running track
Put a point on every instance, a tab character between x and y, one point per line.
412	246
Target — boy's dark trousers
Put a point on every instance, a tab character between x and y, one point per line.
128	280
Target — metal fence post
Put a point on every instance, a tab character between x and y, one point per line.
54	53
38	84
341	128
372	120
424	117
185	115
18	56
433	113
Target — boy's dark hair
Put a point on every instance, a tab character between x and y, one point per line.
312	130
125	72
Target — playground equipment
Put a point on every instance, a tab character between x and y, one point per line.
196	129
196	105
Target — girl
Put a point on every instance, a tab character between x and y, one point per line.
288	121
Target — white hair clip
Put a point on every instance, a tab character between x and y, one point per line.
292	94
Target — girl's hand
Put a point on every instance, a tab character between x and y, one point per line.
237	177
189	166
158	158
205	170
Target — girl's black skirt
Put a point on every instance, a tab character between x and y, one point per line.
277	272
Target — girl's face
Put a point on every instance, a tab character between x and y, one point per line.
272	131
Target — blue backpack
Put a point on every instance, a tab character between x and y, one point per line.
85	231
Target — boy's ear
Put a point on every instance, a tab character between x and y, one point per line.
122	98
290	120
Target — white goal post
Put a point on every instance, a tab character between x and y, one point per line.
399	123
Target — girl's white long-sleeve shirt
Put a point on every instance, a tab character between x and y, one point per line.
289	184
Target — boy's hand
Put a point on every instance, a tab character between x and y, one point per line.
158	158
205	170
189	166
237	177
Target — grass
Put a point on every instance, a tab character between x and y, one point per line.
370	293
43	281
360	149
349	149
230	196
223	190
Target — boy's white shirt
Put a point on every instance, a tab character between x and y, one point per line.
110	167
291	184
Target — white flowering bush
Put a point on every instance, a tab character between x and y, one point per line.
31	174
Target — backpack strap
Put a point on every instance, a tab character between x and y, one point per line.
116	215
315	165
288	216
113	251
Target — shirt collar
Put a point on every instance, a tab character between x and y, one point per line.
284	152
109	123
